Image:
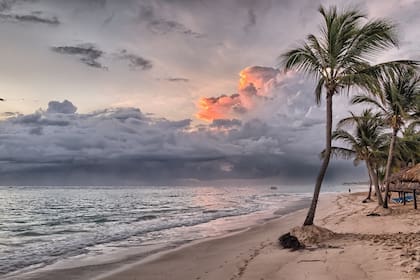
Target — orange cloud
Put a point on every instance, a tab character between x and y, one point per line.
261	78
212	108
255	83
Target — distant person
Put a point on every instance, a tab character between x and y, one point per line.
349	190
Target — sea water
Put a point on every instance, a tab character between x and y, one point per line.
43	225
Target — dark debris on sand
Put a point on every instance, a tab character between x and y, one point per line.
289	241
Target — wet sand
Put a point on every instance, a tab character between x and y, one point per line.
361	247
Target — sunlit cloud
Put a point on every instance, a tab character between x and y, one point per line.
256	86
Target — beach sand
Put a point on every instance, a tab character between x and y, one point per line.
362	247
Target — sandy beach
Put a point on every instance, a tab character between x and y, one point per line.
362	247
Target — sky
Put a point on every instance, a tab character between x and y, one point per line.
138	92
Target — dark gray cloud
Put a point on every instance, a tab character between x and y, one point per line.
160	25
173	171
65	107
87	54
109	19
178	79
39	119
225	123
6	5
126	146
135	61
36	131
25	13
31	18
252	19
92	4
121	114
9	114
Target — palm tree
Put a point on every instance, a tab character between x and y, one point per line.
340	58
399	91
364	145
407	148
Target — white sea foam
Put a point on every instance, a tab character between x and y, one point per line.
41	226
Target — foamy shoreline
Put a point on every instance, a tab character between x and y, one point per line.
364	247
89	267
384	247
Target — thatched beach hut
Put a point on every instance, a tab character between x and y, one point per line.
412	174
406	181
407	175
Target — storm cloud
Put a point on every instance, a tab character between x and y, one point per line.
126	144
252	122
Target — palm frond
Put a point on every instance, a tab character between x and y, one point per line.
358	99
344	153
318	90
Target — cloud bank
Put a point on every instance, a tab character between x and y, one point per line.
127	146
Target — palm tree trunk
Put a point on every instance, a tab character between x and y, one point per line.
381	182
370	182
311	213
374	176
389	163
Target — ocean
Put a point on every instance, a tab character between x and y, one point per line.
40	226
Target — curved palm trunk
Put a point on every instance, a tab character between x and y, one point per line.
374	176
311	213
388	164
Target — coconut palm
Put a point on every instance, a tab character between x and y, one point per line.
364	145
407	148
339	58
415	122
399	91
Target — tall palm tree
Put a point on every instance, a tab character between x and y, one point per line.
364	145
339	58
399	91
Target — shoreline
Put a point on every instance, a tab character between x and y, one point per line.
76	267
362	247
126	271
279	214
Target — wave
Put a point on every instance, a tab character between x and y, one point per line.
118	220
145	218
64	231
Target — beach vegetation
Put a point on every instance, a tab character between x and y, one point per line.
341	58
396	100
